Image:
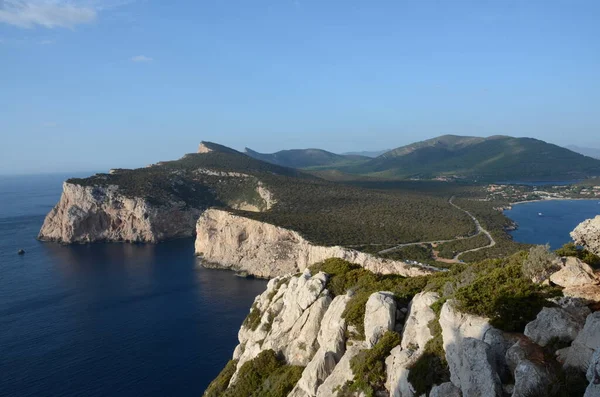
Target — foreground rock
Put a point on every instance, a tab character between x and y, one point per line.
472	361
587	234
573	273
92	213
229	241
579	354
414	338
554	323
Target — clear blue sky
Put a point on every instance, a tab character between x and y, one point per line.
89	85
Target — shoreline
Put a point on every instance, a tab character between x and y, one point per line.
551	199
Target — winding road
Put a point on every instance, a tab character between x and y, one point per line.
478	226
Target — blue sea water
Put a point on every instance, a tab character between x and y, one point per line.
558	218
107	319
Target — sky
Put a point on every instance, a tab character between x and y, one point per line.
92	84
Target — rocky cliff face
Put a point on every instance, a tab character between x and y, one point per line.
437	350
92	213
587	234
229	241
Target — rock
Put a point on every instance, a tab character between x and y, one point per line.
553	323
530	379
579	354
290	322
264	250
576	307
331	341
471	360
589	293
478	377
94	213
21	252
416	328
573	273
397	364
342	372
380	312
593	376
445	390
415	337
587	234
526	361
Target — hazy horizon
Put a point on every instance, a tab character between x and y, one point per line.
99	84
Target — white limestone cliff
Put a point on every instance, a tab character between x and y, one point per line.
233	242
587	234
91	213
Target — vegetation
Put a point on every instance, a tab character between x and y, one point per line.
493	159
324	212
502	293
218	386
265	376
252	321
344	276
431	368
368	367
570	249
308	158
450	249
540	263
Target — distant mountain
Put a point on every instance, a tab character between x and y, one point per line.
372	154
493	158
590	152
307	158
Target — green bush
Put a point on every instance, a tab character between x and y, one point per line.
265	376
368	367
504	295
540	263
252	321
218	386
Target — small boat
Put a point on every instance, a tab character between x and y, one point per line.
540	214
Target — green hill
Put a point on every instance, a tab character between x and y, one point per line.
494	158
324	212
308	158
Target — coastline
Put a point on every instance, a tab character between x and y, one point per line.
549	199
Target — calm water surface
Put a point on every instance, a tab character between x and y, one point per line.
107	319
558	218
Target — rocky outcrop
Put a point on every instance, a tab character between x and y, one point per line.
530	372
230	241
93	213
579	354
414	338
553	323
587	234
573	273
593	376
472	362
380	316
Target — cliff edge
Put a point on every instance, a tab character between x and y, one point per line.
230	241
101	213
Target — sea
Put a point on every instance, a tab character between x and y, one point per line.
107	319
550	222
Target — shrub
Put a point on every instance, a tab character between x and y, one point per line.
540	263
218	386
265	376
503	294
368	367
252	321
